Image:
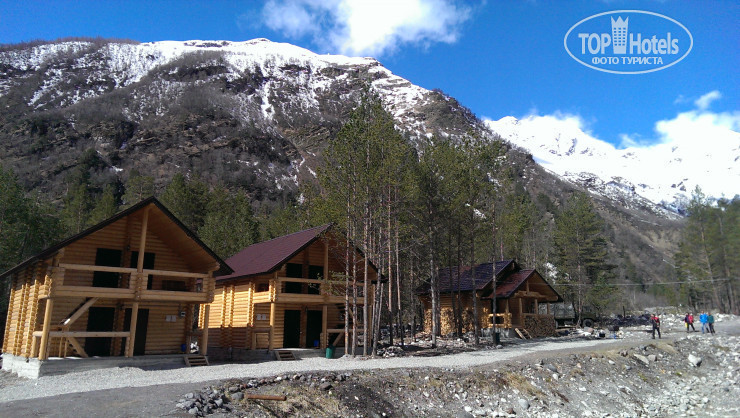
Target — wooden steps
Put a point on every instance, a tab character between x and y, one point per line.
194	360
523	333
284	355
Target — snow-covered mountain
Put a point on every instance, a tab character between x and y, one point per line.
255	116
664	174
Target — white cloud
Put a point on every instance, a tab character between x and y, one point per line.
699	128
361	27
704	101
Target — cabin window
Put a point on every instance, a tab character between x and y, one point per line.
176	285
109	258
148	265
315	272
263	287
294	270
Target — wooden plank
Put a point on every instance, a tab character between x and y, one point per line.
79	312
89	291
173	296
270	345
204	347
85	267
142	241
132	327
83	334
43	348
324	319
265	397
176	274
77	347
339	337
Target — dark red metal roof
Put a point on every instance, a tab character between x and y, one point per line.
506	287
448	277
266	257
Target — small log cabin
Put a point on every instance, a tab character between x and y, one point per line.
518	295
128	286
288	292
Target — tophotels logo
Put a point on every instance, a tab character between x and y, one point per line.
628	42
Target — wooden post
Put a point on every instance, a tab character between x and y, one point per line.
132	329
138	280
324	336
548	308
142	241
325	286
271	344
43	348
204	341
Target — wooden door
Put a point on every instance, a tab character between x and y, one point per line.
313	328
142	322
292	329
99	319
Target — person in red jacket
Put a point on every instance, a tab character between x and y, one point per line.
689	320
656	325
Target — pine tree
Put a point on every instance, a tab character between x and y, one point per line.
105	207
580	247
229	224
138	188
77	206
187	200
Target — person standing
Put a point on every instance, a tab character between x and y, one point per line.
703	320
710	322
656	325
689	320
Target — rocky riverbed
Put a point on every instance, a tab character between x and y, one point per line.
688	375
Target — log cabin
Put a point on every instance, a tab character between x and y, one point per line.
288	292
128	286
519	292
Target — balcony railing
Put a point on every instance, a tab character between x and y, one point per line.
137	284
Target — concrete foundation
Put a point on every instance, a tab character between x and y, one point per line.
33	368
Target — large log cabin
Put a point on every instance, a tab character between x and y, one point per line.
519	292
128	286
288	292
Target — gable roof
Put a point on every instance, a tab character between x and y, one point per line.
448	277
510	283
48	252
267	256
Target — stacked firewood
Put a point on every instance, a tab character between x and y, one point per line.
540	326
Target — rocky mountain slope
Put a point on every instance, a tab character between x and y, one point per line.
253	115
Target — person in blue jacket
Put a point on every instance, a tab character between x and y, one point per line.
703	319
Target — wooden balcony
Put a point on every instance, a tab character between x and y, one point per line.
296	290
54	286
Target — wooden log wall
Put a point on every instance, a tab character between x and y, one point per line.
27	286
447	318
239	308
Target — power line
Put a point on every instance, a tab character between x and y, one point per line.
644	284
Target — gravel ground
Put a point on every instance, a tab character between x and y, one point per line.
126	377
135	392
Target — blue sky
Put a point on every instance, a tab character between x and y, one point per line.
499	58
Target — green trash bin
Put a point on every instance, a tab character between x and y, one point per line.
330	351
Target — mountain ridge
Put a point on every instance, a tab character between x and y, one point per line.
252	115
